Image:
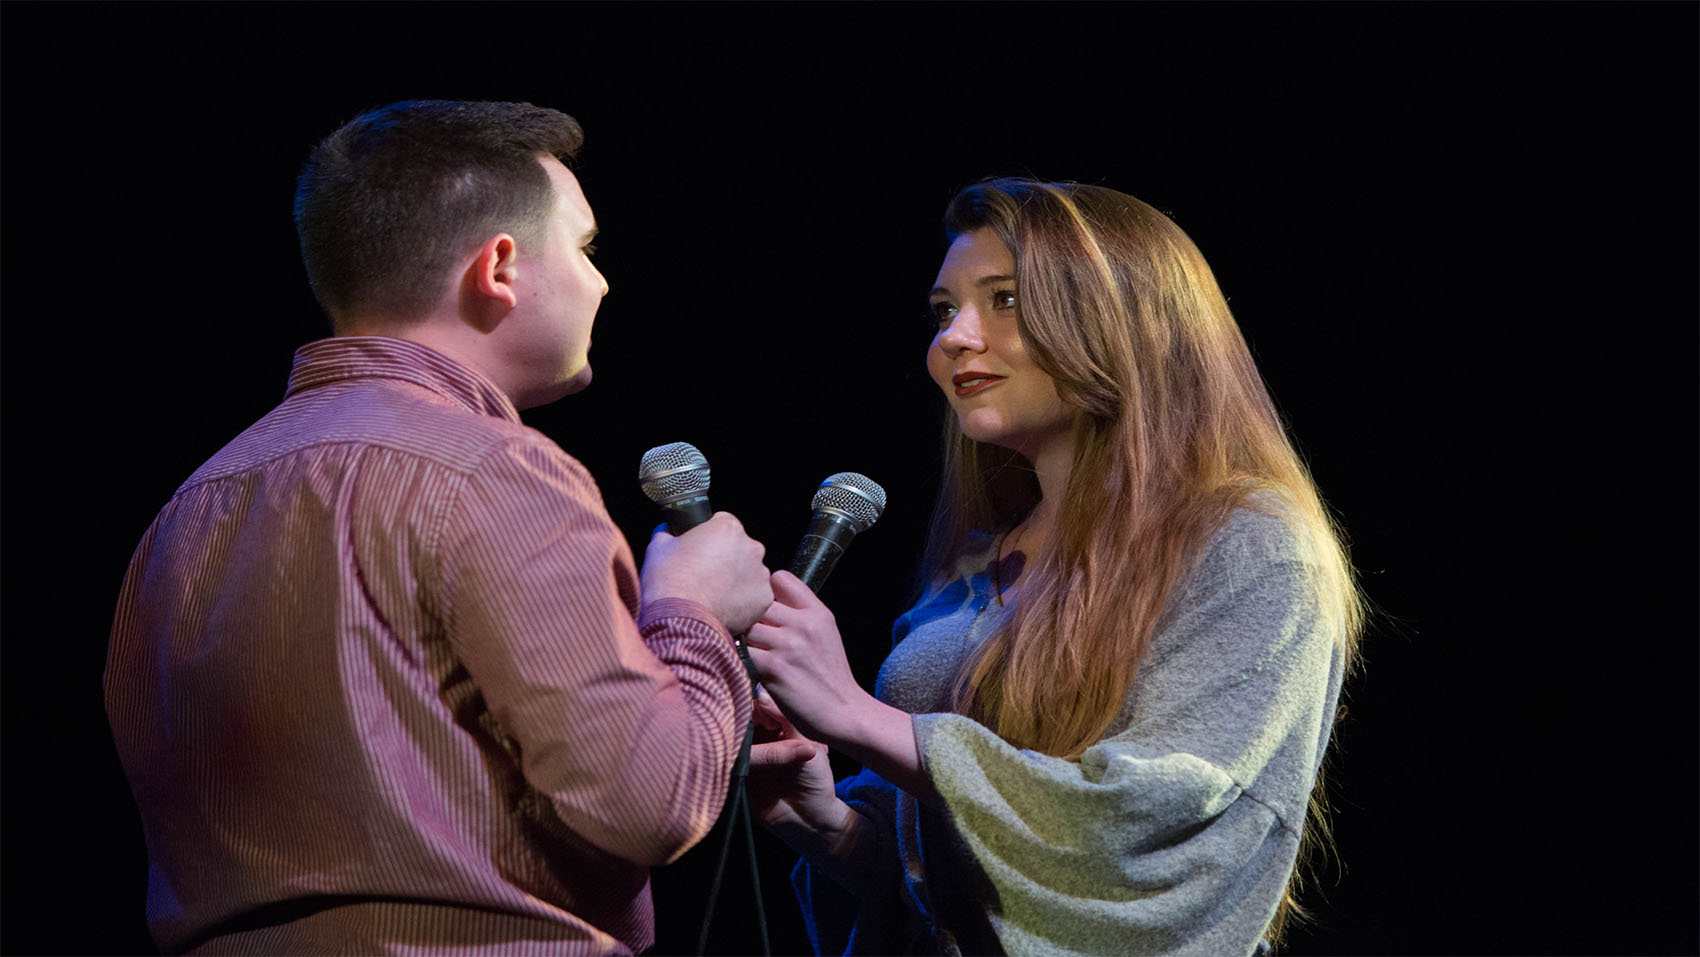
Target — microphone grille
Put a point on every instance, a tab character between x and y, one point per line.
852	494
672	472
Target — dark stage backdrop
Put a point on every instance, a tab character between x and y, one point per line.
1460	238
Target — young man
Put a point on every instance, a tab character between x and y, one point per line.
384	675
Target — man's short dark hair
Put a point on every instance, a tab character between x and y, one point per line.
390	202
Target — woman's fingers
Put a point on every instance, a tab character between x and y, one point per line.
759	635
769	721
759	641
779	615
785	752
767	714
812	621
761	658
793	602
795	593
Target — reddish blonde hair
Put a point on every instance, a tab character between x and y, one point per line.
1175	429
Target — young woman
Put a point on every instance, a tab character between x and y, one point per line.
1099	729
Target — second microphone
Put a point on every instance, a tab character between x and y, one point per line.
845	505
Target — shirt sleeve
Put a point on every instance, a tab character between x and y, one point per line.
1176	834
631	733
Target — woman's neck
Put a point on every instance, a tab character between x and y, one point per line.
1051	463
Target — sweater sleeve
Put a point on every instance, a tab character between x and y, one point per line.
630	734
1177	833
870	919
875	918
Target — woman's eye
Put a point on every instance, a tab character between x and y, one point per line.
590	249
1003	299
939	313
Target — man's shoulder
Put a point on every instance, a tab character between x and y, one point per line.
377	414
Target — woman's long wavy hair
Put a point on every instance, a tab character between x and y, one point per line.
1174	430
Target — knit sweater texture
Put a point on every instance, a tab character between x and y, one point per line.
1175	834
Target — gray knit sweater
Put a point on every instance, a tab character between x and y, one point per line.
1175	834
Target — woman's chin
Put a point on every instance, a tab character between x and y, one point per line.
978	428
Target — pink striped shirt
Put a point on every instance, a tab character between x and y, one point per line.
380	683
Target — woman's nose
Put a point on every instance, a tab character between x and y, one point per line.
963	334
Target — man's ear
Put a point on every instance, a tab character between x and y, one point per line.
489	281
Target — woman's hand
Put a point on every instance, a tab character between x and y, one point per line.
796	649
798	653
790	790
790	784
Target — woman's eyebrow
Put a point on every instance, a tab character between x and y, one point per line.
982	282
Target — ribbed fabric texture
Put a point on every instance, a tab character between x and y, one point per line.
379	683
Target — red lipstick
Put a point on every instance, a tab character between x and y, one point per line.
968	383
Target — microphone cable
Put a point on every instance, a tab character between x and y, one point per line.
738	805
845	505
676	477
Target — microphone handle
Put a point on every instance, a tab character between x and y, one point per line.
687	513
823	544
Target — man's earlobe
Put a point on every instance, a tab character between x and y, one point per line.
496	269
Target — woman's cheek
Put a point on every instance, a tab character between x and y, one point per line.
938	366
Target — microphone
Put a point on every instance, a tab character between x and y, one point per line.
846	504
675	477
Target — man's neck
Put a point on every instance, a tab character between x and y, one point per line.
449	336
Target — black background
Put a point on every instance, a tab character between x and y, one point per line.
1460	238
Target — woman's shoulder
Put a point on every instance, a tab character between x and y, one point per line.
1260	531
1261	546
1252	590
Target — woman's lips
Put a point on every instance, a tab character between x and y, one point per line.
968	383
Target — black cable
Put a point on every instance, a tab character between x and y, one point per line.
719	868
738	804
755	874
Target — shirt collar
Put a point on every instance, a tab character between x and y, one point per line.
343	358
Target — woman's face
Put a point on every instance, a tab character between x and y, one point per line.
978	357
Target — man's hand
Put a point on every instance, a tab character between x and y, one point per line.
714	564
